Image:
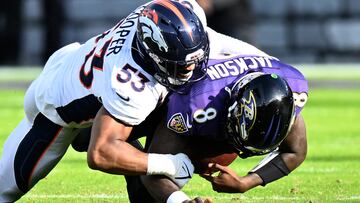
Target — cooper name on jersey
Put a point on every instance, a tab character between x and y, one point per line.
239	65
123	29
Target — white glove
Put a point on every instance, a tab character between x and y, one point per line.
177	167
184	170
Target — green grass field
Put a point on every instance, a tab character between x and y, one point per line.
331	172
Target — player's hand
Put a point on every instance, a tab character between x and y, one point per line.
226	181
184	169
198	200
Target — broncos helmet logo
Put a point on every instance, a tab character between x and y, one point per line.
150	30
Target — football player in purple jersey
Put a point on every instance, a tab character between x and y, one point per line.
253	104
250	104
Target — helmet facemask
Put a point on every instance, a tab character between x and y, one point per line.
174	73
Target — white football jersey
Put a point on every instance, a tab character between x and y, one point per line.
77	79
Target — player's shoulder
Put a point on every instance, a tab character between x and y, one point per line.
128	75
131	101
130	92
284	70
292	75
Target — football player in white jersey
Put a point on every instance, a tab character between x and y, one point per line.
111	82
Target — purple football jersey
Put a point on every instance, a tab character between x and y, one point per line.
202	111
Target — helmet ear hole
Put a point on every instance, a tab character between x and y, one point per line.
262	115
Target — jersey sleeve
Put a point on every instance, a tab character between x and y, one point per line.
131	109
127	104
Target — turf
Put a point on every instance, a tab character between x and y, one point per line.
331	172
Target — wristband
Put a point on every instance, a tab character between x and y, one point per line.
160	164
177	197
273	170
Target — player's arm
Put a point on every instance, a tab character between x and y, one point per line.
293	149
160	187
109	152
164	141
291	154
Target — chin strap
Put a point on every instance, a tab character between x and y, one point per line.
271	168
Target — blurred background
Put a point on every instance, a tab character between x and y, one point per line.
296	31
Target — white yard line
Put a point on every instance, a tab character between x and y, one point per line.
69	196
355	197
107	196
318	170
240	197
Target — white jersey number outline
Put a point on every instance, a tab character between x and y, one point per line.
203	115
